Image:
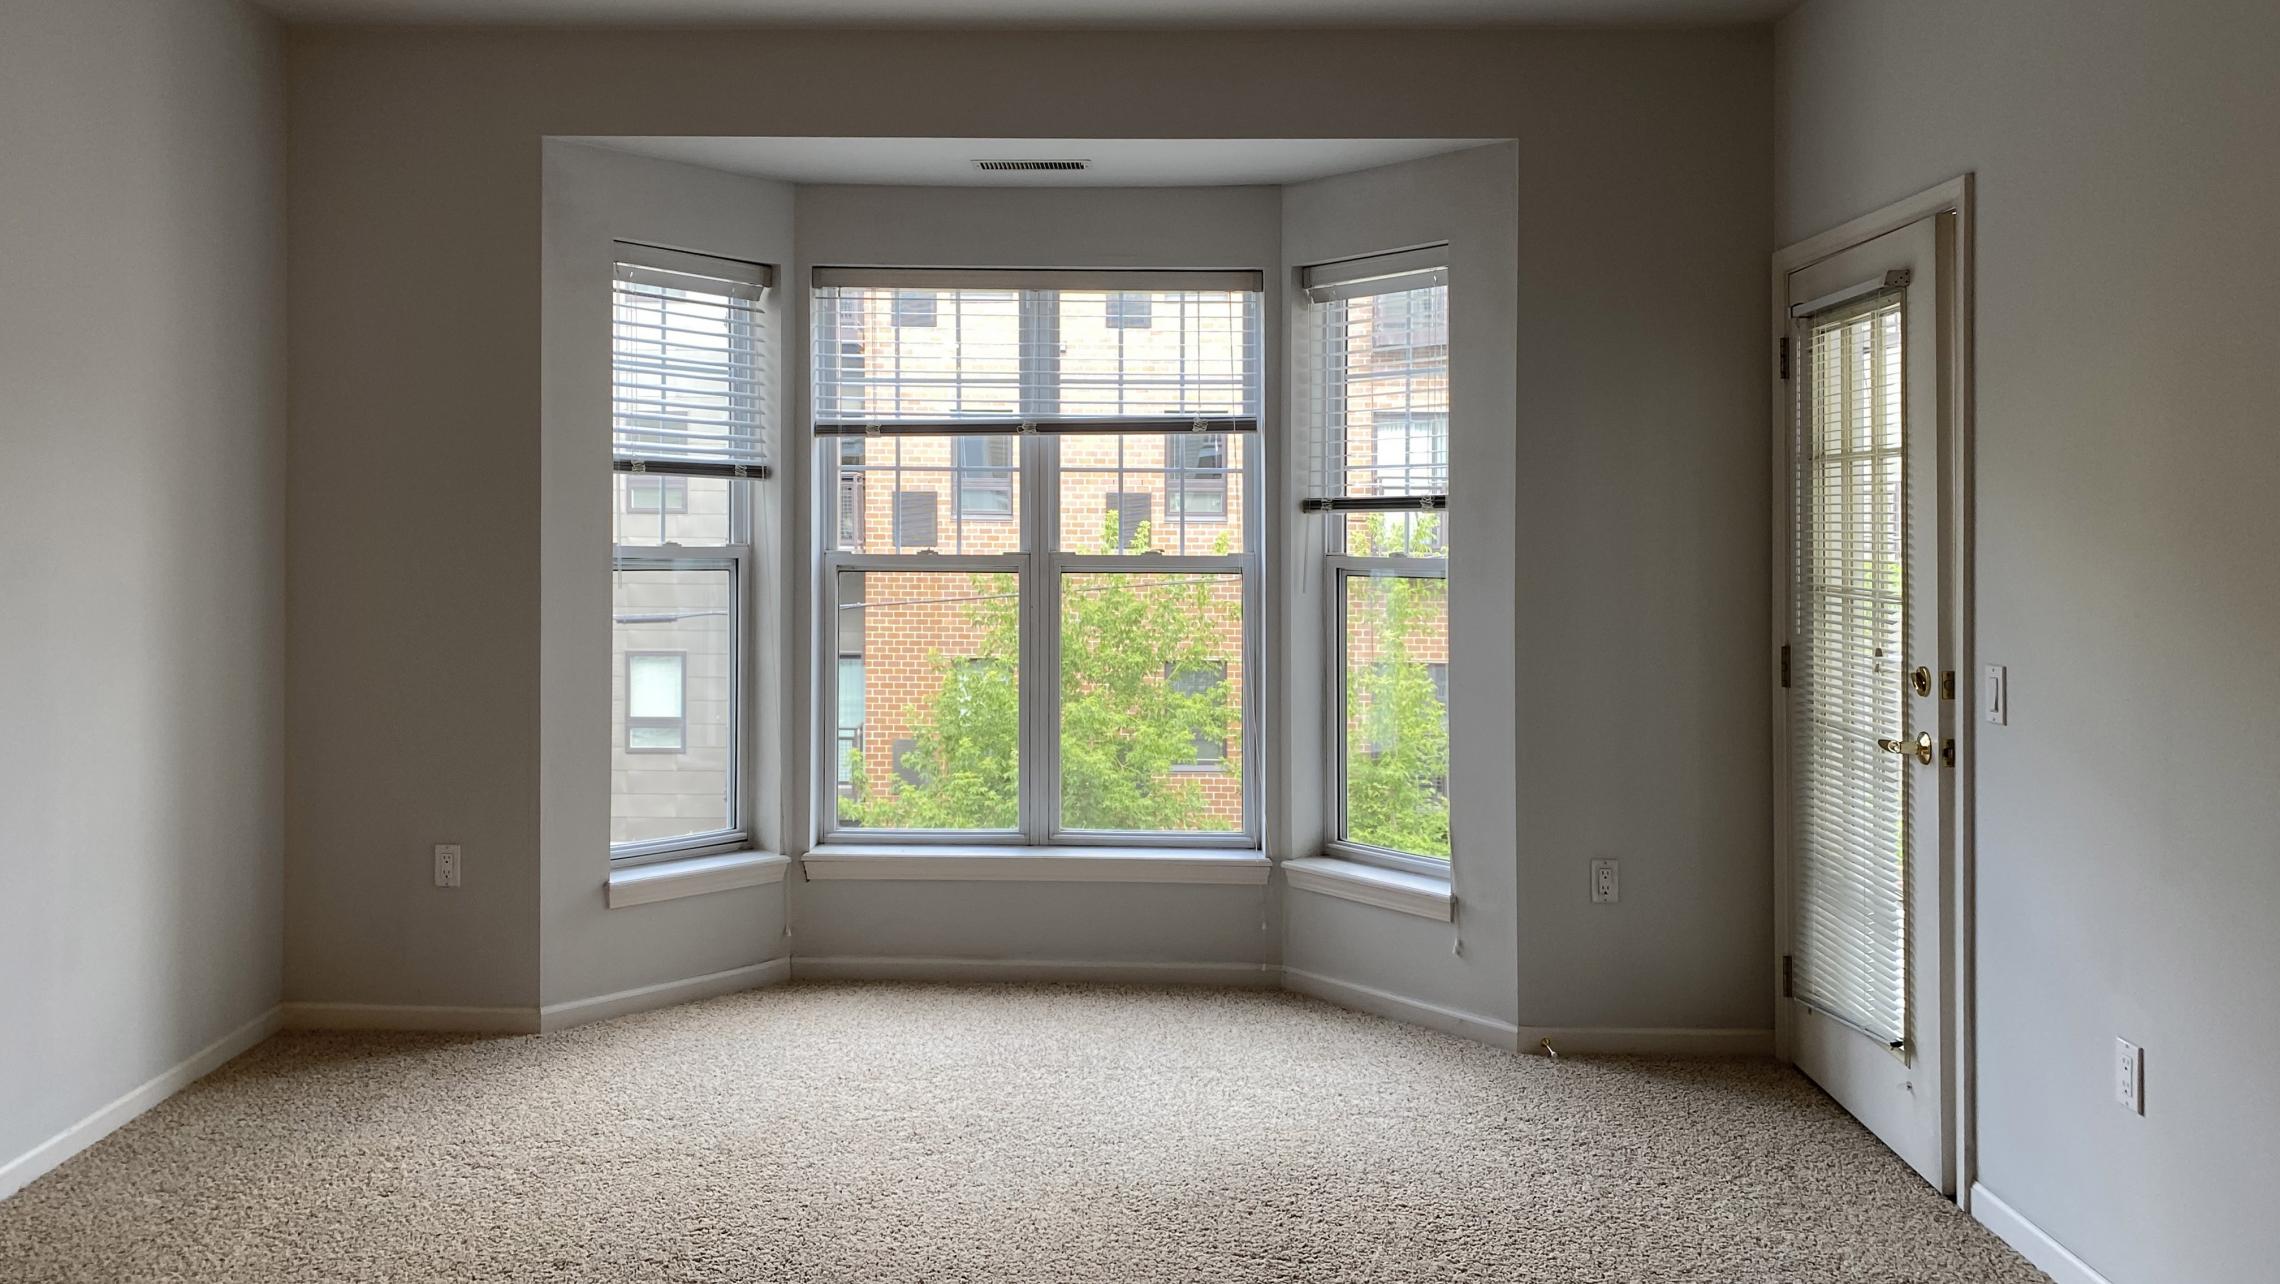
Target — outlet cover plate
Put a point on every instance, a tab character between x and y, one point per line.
2129	1076
1606	882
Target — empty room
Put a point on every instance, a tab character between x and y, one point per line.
1125	641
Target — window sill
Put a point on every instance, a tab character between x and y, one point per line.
1036	864
1424	895
668	880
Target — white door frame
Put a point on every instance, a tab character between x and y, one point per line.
1956	1011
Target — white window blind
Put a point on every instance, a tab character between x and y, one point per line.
928	351
1374	380
1850	806
691	387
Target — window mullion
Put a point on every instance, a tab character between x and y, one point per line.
1039	367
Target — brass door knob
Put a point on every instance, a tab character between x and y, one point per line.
1922	748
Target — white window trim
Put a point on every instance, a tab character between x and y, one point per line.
1425	895
669	880
737	559
1039	570
1151	862
1339	846
1328	287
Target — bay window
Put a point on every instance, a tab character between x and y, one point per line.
690	408
1042	566
1375	379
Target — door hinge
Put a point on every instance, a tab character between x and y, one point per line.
1785	666
1788	976
1785	356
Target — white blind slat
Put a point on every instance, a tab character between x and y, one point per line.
1073	280
1850	808
974	359
1374	380
691	383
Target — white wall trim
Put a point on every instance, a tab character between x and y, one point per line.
1393	889
883	968
664	994
1039	864
1385	1003
672	879
1957	1013
44	1158
2048	1255
1655	1041
410	1016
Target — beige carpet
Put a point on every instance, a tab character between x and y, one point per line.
868	1133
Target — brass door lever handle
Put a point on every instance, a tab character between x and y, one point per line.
1922	749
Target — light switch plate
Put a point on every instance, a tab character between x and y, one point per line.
1995	695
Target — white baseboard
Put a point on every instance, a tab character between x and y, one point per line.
890	968
410	1016
562	1016
42	1159
2048	1255
1649	1041
1385	1003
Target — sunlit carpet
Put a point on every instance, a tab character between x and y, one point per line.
885	1132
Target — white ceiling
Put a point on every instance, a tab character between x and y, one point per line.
1035	13
1116	162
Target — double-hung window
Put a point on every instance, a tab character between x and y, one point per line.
691	402
1044	568
1375	380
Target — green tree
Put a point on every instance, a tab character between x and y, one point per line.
1397	729
1125	722
965	754
1397	751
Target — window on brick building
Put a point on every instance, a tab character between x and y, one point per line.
1089	430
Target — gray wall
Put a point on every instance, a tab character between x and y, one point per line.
142	507
1469	200
2127	461
594	197
415	563
1096	227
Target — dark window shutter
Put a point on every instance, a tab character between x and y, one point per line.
1133	509
915	518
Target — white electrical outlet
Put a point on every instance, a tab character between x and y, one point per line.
2129	1076
447	864
1605	887
1995	695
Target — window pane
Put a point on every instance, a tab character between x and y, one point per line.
1163	492
1391	534
1396	645
947	494
650	509
653	684
672	708
1151	702
1378	393
884	354
1157	352
930	739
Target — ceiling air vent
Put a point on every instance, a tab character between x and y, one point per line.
1032	164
